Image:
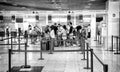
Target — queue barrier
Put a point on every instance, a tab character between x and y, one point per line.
25	51
117	44
28	66
105	66
13	44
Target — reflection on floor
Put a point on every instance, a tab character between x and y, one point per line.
60	61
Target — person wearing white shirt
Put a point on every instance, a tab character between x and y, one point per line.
52	36
64	34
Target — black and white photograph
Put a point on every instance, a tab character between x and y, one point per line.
59	35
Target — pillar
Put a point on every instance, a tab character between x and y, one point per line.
93	28
113	20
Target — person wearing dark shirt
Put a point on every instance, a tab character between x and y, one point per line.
71	28
55	28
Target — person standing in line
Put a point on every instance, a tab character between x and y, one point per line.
64	34
88	33
59	34
52	36
56	34
71	34
78	34
34	35
30	32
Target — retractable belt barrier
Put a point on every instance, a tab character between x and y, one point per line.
13	44
105	66
88	49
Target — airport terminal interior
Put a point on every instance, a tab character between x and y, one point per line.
59	35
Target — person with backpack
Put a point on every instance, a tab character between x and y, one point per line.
34	36
78	34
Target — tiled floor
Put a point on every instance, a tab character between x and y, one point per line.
60	61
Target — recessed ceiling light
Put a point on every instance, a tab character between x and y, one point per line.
92	0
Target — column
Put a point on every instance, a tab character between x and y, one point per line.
113	20
93	28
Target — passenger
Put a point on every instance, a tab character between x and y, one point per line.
34	36
26	37
64	34
7	32
30	32
71	34
14	34
55	28
78	34
52	37
56	34
74	36
88	33
59	35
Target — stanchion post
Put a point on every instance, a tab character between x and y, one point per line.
105	67
91	60
19	41
41	58
11	45
26	66
87	67
117	49
112	43
9	61
117	44
26	37
25	55
8	39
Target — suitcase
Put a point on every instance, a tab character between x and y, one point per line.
2	34
45	45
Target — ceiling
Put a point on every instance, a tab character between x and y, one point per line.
52	5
